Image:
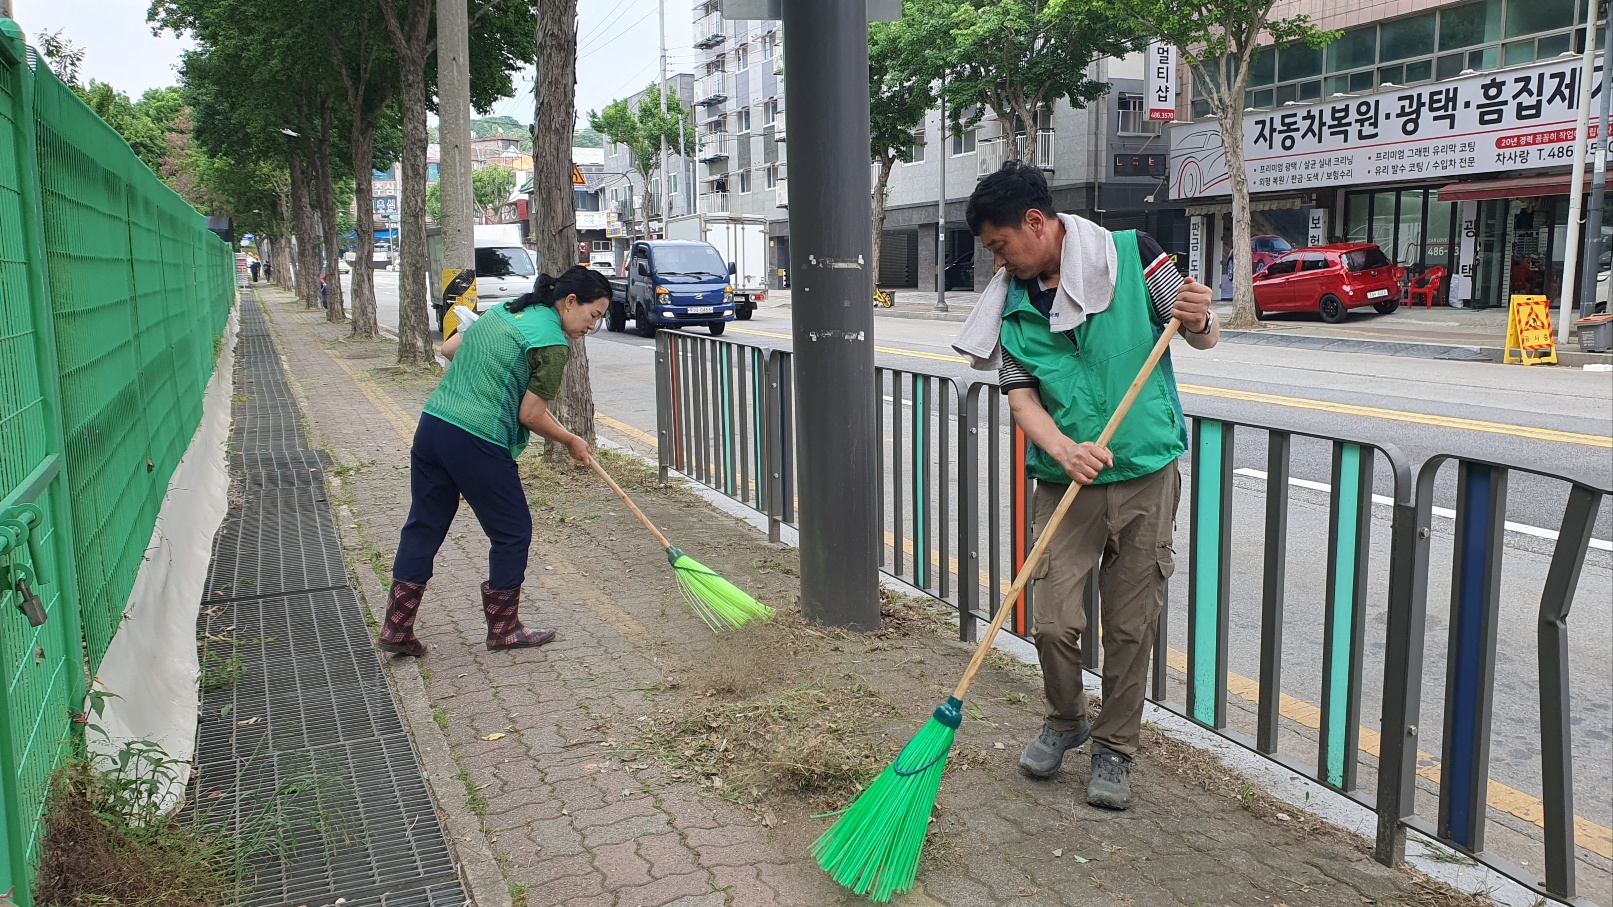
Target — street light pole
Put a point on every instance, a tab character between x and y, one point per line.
832	323
941	209
666	178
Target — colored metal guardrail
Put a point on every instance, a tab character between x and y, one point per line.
112	295
956	523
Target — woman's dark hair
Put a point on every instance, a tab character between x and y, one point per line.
586	283
1002	198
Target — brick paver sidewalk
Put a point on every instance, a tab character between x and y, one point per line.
640	762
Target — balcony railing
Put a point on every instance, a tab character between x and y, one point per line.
714	202
1136	122
991	153
712	89
713	147
708	31
590	220
1042	159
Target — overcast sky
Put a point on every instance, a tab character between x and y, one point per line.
618	49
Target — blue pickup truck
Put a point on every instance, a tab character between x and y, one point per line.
672	284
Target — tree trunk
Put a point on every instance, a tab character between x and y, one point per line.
887	161
306	272
413	48
555	219
364	319
335	308
1243	294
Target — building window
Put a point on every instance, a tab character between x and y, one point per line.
964	142
915	151
769	45
1479	35
744	181
772	176
741	58
1134	116
744	120
770	111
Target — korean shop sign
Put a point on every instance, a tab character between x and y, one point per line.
1514	119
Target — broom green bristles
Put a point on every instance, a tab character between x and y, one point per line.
873	848
718	602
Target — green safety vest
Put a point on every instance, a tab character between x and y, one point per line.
481	391
1081	384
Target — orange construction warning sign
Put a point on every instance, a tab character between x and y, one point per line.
576	176
1529	331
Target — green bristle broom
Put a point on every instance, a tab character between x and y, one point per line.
716	601
874	847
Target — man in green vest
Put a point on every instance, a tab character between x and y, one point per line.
1068	321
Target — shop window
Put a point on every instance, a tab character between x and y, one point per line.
1298	61
1420	71
1405	38
1357	47
1361	82
1528	17
1357	217
1310	91
1470	24
1392	75
1285	94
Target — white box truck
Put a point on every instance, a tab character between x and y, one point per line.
505	268
742	242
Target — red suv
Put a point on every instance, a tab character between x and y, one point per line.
1329	281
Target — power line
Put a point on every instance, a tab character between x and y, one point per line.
602	32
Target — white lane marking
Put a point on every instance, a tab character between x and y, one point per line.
1549	535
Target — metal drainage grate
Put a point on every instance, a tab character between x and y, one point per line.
310	731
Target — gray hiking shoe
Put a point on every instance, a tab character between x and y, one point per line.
1110	786
1045	755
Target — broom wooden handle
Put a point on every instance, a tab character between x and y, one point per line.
629	502
1046	538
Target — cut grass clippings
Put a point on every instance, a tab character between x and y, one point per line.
90	860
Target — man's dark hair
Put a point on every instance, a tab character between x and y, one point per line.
1002	198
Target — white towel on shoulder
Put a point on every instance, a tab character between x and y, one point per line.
1087	269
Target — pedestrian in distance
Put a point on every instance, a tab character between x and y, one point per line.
503	373
268	270
1069	320
324	298
253	266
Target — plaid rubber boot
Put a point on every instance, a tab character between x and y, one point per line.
397	634
504	629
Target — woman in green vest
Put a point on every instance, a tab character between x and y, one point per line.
504	371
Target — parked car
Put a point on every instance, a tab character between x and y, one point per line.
1263	250
1329	281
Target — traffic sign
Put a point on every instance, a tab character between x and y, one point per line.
576	176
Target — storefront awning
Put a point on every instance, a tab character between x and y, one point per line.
1255	204
1518	187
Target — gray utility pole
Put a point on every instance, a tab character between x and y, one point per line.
666	176
453	127
1576	191
831	244
1593	222
941	209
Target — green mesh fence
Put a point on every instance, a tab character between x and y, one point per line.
112	296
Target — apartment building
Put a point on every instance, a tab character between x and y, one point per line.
1443	132
622	190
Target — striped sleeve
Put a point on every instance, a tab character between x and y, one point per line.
1011	375
1164	280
